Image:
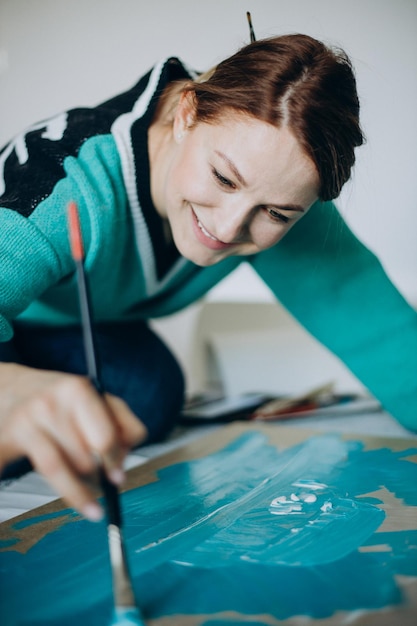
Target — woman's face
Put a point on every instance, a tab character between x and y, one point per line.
234	187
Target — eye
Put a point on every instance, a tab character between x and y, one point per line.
225	182
277	216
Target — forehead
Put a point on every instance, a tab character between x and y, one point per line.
263	153
238	129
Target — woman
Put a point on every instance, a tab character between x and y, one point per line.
178	181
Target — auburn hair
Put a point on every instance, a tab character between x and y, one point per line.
294	81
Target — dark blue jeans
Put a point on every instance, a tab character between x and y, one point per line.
134	365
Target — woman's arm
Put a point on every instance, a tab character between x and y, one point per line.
341	294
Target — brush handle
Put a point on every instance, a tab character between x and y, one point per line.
77	250
123	592
87	327
110	491
111	499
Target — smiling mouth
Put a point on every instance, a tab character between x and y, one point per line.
206	232
205	237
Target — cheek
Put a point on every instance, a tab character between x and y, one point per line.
183	175
175	190
190	182
265	235
268	235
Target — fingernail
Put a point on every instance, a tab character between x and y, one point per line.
93	512
117	476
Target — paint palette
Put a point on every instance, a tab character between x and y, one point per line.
252	524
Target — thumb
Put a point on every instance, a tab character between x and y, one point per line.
132	431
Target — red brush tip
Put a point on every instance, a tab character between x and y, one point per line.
75	232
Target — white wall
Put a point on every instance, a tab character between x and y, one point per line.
55	54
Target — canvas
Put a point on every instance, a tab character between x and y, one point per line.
250	524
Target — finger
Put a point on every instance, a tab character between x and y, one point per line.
58	422
51	461
54	411
96	425
132	430
107	425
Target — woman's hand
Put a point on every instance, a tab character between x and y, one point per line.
63	426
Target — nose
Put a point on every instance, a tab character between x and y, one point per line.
233	221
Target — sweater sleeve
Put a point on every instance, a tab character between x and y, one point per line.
71	156
338	290
28	265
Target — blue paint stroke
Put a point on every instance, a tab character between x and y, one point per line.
30	521
205	539
8	542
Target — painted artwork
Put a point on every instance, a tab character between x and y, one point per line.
250	525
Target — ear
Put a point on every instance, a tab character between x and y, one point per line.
185	115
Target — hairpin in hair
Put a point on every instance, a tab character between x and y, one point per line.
251	31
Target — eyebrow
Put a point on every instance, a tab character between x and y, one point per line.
233	168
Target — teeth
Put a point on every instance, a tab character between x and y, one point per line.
207	234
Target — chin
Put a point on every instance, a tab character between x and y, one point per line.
195	254
198	259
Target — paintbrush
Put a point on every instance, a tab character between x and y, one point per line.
126	611
251	31
274	408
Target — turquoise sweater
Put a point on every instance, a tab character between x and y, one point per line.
332	284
